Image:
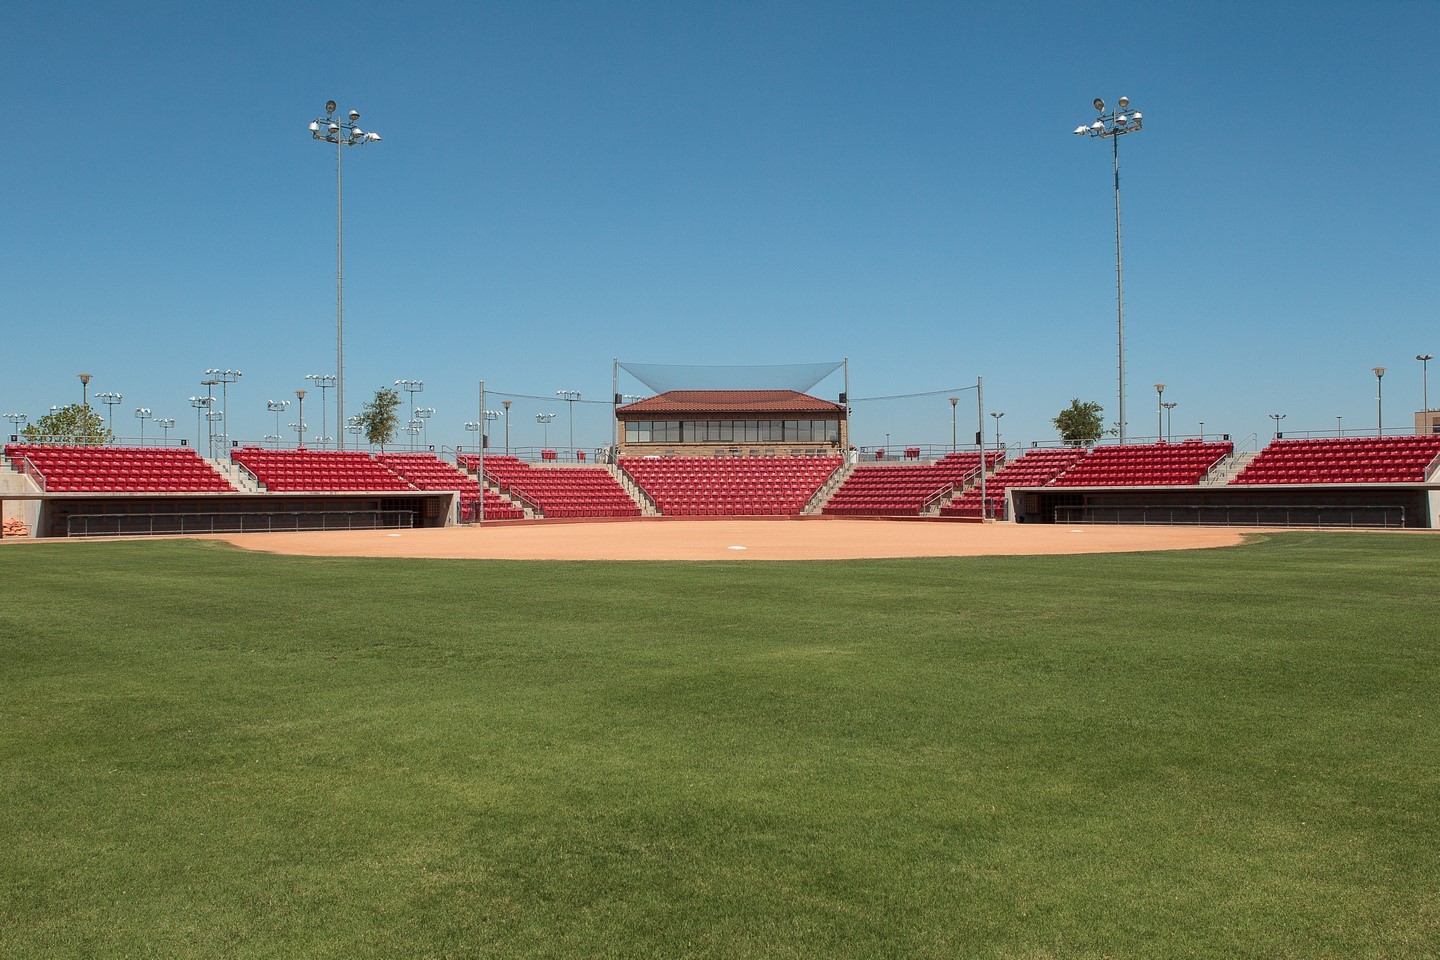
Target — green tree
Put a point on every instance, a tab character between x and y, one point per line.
1081	423
379	417
73	424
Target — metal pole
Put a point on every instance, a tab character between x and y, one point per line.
1119	288
615	402
848	431
480	461
339	292
980	403
506	405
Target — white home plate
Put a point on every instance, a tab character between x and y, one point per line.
736	548
392	534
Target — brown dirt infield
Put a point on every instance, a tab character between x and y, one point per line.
724	540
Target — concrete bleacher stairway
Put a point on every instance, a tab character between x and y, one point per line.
1228	469
642	499
816	506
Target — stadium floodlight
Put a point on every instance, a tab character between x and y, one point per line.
324	381
411	387
1277	417
276	407
545	419
1425	359
299	425
1379	401
17	420
342	134
224	378
166	424
1159	411
1111	126
473	426
200	403
423	415
111	401
570	396
1169	405
142	414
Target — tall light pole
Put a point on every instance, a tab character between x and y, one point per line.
342	133
84	390
997	417
142	414
1379	401
299	423
111	401
506	405
224	378
1112	126
954	401
1159	411
1169	435
411	387
324	381
1425	359
1277	417
277	407
545	419
201	403
570	396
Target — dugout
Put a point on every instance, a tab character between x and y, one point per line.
1300	505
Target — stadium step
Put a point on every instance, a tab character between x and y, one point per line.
827	490
641	498
1228	469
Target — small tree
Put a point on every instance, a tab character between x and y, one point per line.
76	423
379	418
1081	423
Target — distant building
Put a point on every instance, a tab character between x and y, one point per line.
1427	421
732	423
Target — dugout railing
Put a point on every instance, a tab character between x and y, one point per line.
153	524
1236	515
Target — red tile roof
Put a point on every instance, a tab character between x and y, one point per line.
678	403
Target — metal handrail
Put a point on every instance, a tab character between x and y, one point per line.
946	491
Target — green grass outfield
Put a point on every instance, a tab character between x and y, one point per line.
1223	753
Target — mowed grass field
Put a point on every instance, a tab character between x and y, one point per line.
1224	753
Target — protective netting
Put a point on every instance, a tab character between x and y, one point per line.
663	377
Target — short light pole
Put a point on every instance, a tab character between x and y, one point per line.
954	401
17	422
506	405
1112	126
1159	411
299	423
1425	359
324	381
1277	417
1202	430
411	387
166	424
333	129
887	446
1338	431
277	407
570	396
473	426
1379	401
111	401
224	378
413	428
142	414
84	390
356	427
545	419
1169	434
423	415
201	404
490	417
997	416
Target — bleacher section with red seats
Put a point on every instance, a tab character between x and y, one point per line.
1034	469
1145	465
559	491
425	471
1343	460
63	468
904	489
730	486
317	471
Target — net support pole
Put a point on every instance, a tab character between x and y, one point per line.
980	428
848	431
480	460
615	407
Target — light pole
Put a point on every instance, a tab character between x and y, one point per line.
224	378
474	427
299	423
1112	126
1169	434
16	421
490	417
200	403
1202	431
997	417
210	415
142	414
166	424
506	405
84	390
1277	417
545	419
411	387
954	401
1159	412
423	415
413	428
1425	359
277	407
1338	432
1379	401
342	133
570	396
324	381
111	401
355	428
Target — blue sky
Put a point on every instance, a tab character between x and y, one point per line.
562	183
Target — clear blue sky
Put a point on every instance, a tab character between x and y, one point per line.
561	183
